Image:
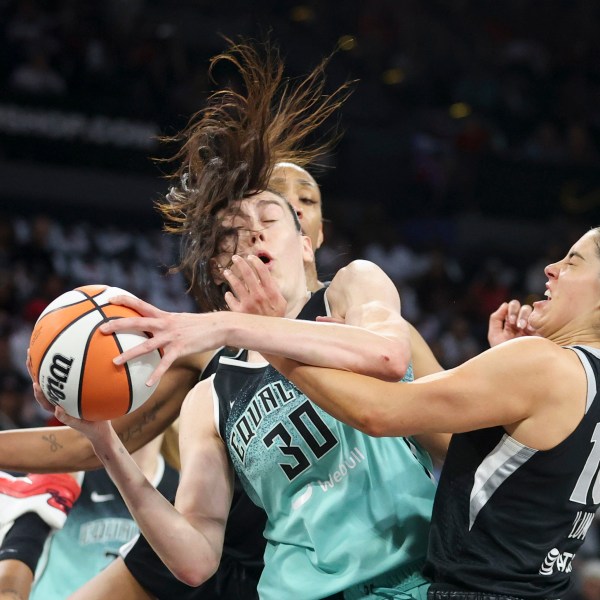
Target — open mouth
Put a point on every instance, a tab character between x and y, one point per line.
265	258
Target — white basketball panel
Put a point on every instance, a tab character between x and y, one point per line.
66	299
60	371
139	368
110	292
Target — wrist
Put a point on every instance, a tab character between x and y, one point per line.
227	329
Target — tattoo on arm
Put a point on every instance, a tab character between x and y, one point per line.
10	593
136	430
55	446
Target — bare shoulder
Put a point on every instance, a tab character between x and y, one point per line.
358	270
360	282
534	368
529	350
197	405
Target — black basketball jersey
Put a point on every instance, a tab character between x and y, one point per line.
509	519
229	386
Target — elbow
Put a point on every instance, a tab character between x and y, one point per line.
197	572
393	366
372	423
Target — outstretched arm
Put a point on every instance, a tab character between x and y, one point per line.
188	537
502	386
374	340
62	449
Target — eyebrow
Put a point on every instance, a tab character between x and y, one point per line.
268	202
574	254
305	182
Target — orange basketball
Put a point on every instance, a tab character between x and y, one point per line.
72	360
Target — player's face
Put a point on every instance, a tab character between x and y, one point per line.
572	291
302	192
264	226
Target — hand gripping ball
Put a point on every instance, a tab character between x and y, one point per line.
72	360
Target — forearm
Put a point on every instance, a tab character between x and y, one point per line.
46	450
345	347
337	392
62	449
181	545
16	580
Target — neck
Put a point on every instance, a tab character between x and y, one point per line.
295	306
577	338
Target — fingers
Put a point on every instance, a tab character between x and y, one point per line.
137	304
523	317
29	365
325	319
144	348
129	324
518	315
40	398
253	289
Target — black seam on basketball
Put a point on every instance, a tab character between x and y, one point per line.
67	306
83	362
89	297
126	367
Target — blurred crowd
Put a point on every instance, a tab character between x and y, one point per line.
443	85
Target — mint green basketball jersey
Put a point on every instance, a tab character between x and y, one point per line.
342	507
97	526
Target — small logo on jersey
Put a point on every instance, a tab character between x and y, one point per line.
555	561
96	497
345	467
303	498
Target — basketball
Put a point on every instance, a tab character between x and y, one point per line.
72	360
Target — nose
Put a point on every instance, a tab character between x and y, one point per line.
551	270
256	236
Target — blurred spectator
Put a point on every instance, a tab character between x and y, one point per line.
587	581
457	344
37	77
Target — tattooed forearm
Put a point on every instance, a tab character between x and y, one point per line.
147	417
55	446
10	594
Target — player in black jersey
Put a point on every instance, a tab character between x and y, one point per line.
520	486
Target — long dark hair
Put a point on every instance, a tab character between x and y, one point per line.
228	150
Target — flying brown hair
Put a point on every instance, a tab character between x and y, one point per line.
229	149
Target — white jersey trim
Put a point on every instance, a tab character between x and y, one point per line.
496	467
589	373
326	302
225	360
216	411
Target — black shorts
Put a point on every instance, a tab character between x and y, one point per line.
232	581
238	573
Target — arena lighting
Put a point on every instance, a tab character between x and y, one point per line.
460	110
302	14
347	42
393	76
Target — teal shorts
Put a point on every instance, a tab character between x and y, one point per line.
401	584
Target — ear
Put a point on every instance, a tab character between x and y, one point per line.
308	256
320	237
